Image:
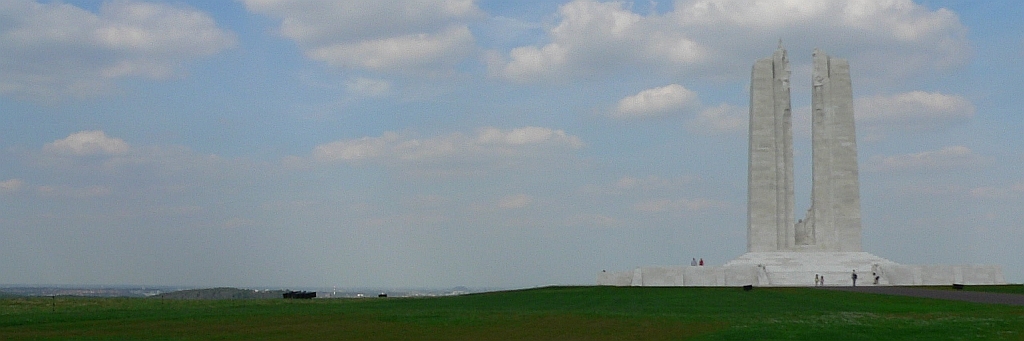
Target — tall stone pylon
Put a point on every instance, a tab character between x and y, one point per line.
770	177
832	223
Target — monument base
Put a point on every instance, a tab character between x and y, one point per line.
800	268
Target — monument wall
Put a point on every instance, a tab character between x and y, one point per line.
693	276
775	275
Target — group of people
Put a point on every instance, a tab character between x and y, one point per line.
819	280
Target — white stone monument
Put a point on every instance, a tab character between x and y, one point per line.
826	243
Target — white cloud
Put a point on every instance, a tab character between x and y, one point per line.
366	87
237	222
526	136
515	201
656	102
881	116
891	38
721	119
83	143
54	50
677	205
92	153
11	185
394	53
324	21
392	146
948	157
990	192
595	220
916	108
74	192
998	192
651	182
674	99
387	35
594	35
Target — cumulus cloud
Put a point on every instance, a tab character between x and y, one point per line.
393	53
881	116
390	35
93	152
595	220
998	192
945	158
892	38
723	118
11	185
366	87
526	136
656	102
392	146
915	109
634	186
515	201
74	192
677	205
593	35
84	143
651	182
53	50
674	99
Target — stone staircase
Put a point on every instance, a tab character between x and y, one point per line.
799	268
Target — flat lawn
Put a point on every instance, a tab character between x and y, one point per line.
1004	289
554	313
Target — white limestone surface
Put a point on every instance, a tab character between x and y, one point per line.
800	268
689	276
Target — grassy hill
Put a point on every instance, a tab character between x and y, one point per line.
554	313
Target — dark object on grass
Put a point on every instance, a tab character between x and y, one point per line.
748	287
299	294
958	286
382	295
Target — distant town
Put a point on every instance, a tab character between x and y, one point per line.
219	293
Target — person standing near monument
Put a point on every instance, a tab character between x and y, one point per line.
854	277
693	262
817	280
702	261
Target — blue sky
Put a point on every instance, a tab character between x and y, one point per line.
477	143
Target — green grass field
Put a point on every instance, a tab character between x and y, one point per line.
555	313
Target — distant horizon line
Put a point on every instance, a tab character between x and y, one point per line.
262	287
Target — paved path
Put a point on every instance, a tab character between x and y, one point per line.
969	296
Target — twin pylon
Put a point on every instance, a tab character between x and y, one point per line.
832	223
